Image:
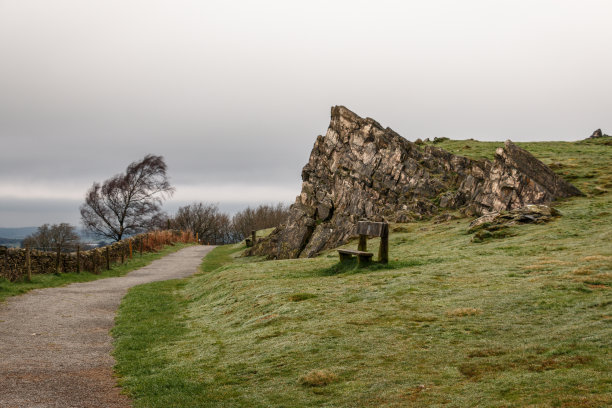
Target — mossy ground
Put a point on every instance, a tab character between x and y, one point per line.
519	320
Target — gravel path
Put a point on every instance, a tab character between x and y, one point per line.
55	343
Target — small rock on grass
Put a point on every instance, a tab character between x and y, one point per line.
531	213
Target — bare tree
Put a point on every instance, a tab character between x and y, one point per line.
57	237
264	216
206	220
127	203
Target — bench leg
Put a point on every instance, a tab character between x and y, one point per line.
364	260
363	243
345	257
383	250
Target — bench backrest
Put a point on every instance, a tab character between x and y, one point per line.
373	229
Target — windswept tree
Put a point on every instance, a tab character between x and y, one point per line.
127	203
56	237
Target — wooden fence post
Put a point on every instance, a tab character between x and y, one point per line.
130	242
78	259
57	260
94	260
253	237
197	238
383	250
107	258
28	265
122	250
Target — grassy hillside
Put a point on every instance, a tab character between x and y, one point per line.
524	320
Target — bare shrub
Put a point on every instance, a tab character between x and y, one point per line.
264	216
62	237
205	220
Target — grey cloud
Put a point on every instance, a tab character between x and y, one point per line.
32	213
236	92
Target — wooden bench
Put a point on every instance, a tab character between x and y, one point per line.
366	229
362	257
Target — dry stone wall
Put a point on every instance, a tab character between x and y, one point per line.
13	261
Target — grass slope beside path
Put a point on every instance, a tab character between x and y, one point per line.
523	320
52	280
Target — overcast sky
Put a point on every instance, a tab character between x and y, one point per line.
234	93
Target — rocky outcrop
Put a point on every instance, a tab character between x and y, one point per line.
496	225
597	134
529	214
515	179
360	170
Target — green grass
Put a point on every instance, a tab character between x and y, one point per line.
220	256
520	320
586	163
39	281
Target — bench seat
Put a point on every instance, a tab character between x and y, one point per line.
362	257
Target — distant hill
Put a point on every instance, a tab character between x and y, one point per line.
12	237
16	233
10	242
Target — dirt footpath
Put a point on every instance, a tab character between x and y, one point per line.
55	344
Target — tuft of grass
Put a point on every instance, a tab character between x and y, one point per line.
53	280
464	311
298	297
318	378
497	233
487	352
410	333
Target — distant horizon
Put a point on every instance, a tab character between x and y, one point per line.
230	208
172	205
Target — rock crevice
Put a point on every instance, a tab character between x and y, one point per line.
360	170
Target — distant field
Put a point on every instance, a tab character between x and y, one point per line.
10	242
16	233
521	321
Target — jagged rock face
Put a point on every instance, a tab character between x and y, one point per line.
515	179
360	170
